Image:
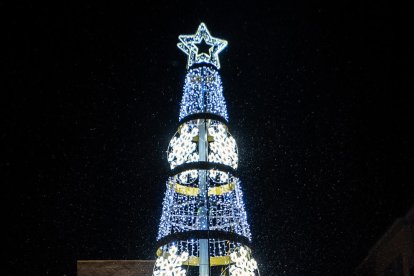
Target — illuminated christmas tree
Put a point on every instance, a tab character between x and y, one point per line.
203	229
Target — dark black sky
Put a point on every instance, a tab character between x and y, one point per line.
319	98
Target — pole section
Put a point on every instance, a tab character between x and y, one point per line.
204	257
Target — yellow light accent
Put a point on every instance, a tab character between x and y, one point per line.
214	261
184	190
195	261
209	138
192	191
223	189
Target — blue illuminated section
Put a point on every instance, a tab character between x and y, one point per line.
203	93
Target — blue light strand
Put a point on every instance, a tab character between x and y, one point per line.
203	93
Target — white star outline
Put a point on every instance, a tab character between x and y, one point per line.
188	46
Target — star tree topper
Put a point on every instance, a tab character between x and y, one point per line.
189	46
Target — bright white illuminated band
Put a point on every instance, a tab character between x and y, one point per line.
222	147
182	148
189	44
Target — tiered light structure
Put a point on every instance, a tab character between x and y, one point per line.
203	229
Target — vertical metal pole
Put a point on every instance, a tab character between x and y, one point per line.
204	256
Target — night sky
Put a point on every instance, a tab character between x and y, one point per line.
320	104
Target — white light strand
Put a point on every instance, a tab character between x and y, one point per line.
227	211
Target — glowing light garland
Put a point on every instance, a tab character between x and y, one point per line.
203	93
227	212
189	44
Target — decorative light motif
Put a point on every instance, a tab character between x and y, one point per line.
219	250
223	148
170	264
243	265
182	148
203	93
187	177
181	201
227	212
189	43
